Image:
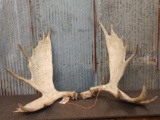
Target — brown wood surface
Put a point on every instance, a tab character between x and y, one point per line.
107	107
142	118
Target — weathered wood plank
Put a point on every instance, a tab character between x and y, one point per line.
107	108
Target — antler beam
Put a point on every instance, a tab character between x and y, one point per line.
40	65
117	66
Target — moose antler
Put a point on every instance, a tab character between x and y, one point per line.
117	66
40	65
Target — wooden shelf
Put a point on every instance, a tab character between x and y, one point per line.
107	107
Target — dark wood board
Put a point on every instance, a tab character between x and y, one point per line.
107	107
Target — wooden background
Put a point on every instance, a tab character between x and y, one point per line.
79	52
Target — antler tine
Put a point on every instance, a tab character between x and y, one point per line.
43	35
32	48
49	32
17	76
125	48
141	97
104	30
24	53
133	55
148	101
138	100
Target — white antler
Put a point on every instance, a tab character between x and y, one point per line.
40	65
117	66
